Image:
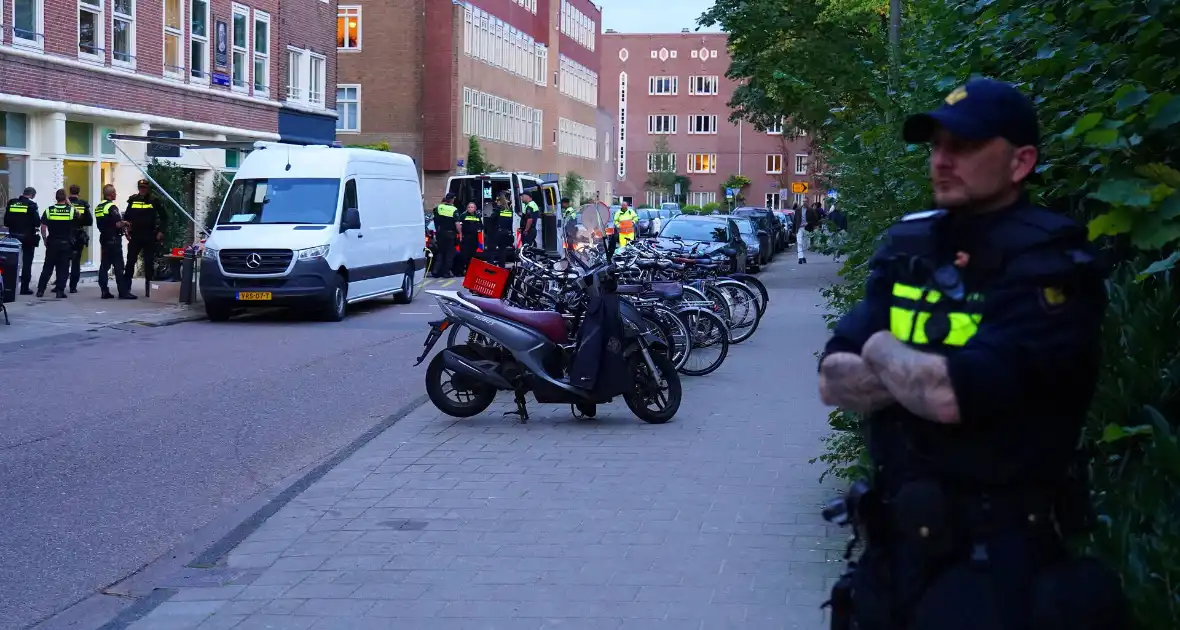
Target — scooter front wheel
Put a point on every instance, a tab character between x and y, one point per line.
654	398
453	394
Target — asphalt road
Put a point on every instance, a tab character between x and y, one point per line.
115	448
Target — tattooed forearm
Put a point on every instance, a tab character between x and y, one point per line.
846	382
919	381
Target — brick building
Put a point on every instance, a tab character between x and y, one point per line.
73	71
521	75
672	88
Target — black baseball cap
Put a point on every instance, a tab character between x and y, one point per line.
143	183
981	109
449	196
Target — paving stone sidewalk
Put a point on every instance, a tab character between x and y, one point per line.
710	521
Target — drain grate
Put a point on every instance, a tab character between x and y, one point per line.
405	524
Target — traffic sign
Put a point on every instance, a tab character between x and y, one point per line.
799	188
729	193
677	191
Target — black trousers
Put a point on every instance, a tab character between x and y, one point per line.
57	262
26	263
468	248
112	260
76	265
446	254
504	246
136	248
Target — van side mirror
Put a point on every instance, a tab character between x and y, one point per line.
351	220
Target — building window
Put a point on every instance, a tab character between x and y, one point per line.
348	108
79	138
578	81
531	5
261	53
199	41
801	164
702	163
315	78
348	28
661	162
574	138
498	119
775	129
90	29
800	132
661	124
663	86
773	201
703	86
295	74
173	38
122	32
577	25
28	23
702	123
774	164
701	198
241	27
492	41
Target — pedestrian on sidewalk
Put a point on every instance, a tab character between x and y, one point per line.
807	219
146	223
110	240
975	354
57	229
22	219
83	221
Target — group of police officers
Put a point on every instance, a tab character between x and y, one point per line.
65	228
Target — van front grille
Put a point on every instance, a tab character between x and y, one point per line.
255	261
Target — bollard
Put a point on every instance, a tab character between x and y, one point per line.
187	271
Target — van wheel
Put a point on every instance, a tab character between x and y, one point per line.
407	294
218	311
337	306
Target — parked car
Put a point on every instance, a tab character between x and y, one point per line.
766	220
753	247
785	218
673	209
648	221
720	233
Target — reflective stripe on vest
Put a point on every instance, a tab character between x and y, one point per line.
445	210
102	209
473	217
60	212
140	205
910	317
531	207
506	213
18	208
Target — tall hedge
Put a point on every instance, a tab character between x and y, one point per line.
1104	77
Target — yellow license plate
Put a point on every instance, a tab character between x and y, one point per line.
255	296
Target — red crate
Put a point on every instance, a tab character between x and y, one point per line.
486	280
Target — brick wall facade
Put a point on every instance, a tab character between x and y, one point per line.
309	25
444	27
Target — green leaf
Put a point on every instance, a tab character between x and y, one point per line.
1117	221
1159	266
1151	232
1135	97
1168	115
1105	138
1170	208
1046	52
1114	433
1084	124
1124	192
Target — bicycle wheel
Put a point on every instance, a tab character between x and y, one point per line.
744	315
664	322
710	341
722	304
759	289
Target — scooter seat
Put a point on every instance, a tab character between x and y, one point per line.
549	323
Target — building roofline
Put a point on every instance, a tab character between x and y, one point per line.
679	34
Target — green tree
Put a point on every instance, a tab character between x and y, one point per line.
572	187
476	162
1109	102
662	179
376	146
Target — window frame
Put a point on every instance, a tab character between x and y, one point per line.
771	159
669	162
203	40
712	124
99	12
340	115
322	83
130	19
342	11
653	128
38	40
256	18
696	82
773	205
296	61
181	40
804	162
711	167
776	130
655	81
243	11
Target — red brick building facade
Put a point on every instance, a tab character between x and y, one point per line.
74	71
520	75
670	90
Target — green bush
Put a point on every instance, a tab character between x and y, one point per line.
710	207
1104	77
692	210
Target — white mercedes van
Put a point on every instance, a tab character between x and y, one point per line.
318	227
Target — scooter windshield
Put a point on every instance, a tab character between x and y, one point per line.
585	235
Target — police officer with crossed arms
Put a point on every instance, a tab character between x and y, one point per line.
974	355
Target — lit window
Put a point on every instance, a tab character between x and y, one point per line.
348	108
348	28
91	29
774	164
702	163
174	37
199	40
122	32
261	53
240	37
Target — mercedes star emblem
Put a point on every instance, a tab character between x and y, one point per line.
254	261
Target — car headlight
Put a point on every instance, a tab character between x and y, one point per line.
311	253
209	253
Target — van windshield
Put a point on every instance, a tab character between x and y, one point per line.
284	200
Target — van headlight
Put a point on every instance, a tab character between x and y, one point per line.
209	253
312	253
